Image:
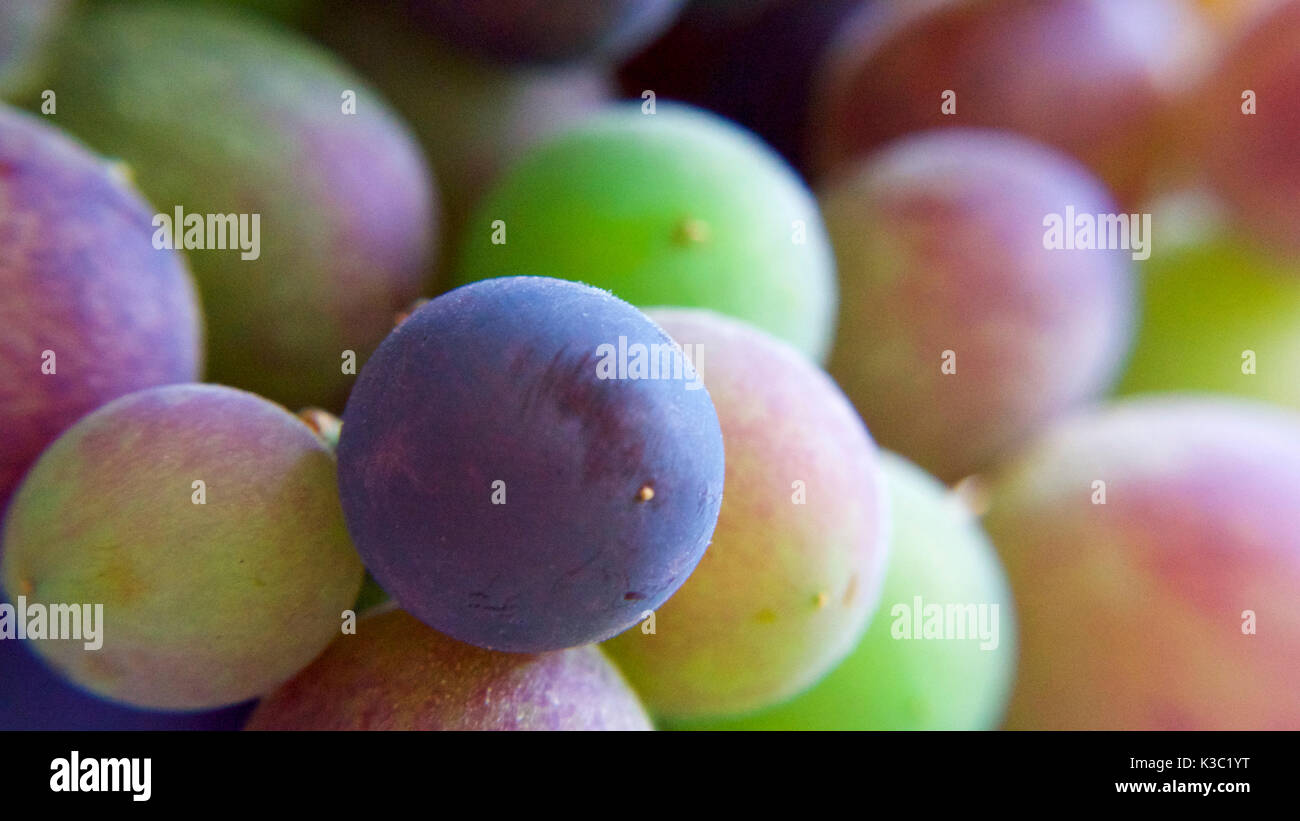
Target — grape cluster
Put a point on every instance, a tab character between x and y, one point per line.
676	364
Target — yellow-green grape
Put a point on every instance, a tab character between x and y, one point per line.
898	677
205	522
675	208
1222	317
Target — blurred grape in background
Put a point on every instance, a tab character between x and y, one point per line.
1221	316
1094	78
1254	164
473	117
960	333
27	28
545	31
218	112
1165	596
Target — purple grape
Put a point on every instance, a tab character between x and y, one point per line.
91	310
504	492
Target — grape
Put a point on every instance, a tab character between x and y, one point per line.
675	208
206	523
473	119
1095	78
795	567
896	679
1250	158
1164	598
218	112
1219	316
510	493
91	311
397	674
960	331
